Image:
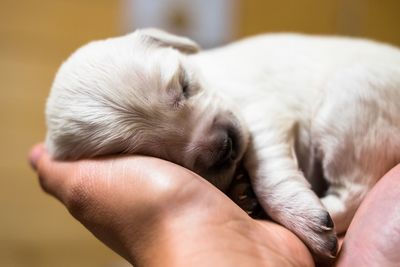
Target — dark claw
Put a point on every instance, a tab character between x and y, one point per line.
239	176
334	247
331	253
241	197
238	191
329	223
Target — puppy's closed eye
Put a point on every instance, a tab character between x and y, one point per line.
188	84
181	88
185	88
185	83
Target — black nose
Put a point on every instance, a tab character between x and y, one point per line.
226	153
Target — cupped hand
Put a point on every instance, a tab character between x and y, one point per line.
155	213
373	238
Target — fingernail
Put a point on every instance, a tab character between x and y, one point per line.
34	155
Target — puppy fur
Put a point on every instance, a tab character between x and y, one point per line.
284	105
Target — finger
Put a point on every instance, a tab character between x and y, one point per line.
372	234
34	155
53	175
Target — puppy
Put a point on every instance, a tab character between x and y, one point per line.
293	109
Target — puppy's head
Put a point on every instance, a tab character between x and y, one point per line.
142	94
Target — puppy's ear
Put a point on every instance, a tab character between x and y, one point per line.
183	44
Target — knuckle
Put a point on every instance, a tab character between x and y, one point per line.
77	197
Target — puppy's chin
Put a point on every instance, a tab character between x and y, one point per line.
221	178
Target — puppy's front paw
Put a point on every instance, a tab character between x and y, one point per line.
316	229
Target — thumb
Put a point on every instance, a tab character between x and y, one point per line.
53	175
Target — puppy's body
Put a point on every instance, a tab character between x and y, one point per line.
329	101
300	102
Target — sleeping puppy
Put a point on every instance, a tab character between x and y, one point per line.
294	110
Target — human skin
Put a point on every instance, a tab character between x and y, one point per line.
373	237
155	213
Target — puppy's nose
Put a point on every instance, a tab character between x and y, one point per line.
224	152
217	151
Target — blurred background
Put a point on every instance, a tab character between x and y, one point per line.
36	36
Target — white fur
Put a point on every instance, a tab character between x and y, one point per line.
297	102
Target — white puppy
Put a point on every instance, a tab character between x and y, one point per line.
284	105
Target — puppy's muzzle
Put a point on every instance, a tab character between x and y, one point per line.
227	149
220	148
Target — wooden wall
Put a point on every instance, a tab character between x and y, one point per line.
366	18
36	35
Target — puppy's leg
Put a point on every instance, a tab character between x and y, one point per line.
343	199
356	135
352	167
283	191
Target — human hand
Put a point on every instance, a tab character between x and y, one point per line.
155	213
373	238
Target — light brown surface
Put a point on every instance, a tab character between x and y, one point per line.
35	36
365	18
